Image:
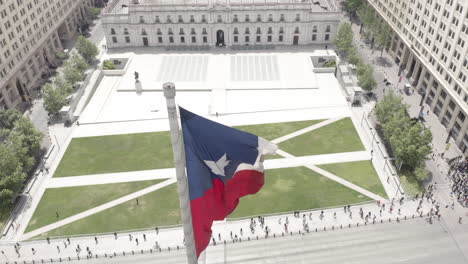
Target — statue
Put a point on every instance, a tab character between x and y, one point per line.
136	76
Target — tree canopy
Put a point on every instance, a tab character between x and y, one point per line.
54	98
87	49
19	152
366	77
344	39
409	140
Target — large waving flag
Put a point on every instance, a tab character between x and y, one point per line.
223	164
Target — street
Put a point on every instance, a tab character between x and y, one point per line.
412	241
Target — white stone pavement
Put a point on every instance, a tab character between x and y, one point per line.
173	237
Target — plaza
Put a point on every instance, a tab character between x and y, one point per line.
118	160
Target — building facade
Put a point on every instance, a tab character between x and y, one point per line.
139	23
430	42
31	32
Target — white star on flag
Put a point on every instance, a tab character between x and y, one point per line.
218	166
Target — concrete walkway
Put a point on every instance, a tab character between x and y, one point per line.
306	130
107	178
97	209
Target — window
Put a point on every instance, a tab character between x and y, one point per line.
314	29
182	39
280	38
171	39
298	17
327	37
194	39
160	40
158	31
192	19
314	37
327	28
270	17
247	31
259	18
168	19
125	31
203	19
269	38
247	38
114	39
180	19
112	31
236	31
236	39
281	30
169	31
192	31
181	31
247	18
205	39
235	18
220	19
142	20
296	30
443	94
270	30
259	38
156	19
259	31
143	31
452	105
127	39
282	17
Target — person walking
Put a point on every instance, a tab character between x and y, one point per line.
144	237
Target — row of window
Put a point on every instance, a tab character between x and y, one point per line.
235	18
204	32
236	38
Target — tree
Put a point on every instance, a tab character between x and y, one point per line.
353	57
63	85
366	77
382	37
352	6
94	12
367	16
72	74
344	39
8	118
87	49
390	105
54	99
421	173
78	62
11	176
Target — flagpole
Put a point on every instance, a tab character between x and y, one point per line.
177	148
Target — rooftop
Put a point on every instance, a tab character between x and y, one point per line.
122	6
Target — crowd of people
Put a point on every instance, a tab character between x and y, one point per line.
458	175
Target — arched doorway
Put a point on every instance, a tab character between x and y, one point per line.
220	38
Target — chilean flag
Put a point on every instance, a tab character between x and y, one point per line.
223	164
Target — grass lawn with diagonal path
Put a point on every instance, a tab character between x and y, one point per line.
339	136
69	201
361	173
285	190
142	151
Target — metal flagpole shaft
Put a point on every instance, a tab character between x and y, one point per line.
177	147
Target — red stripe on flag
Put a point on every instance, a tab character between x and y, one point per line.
220	201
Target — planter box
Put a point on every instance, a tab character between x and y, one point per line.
121	66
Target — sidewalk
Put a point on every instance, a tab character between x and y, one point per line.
173	237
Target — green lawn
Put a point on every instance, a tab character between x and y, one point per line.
143	151
69	201
157	208
276	130
286	189
361	173
297	188
117	153
339	136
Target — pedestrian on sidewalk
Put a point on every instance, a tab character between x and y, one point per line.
137	201
344	208
115	235
144	237
460	220
33	251
68	240
95	239
65	244
130	237
157	230
58	249
136	240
